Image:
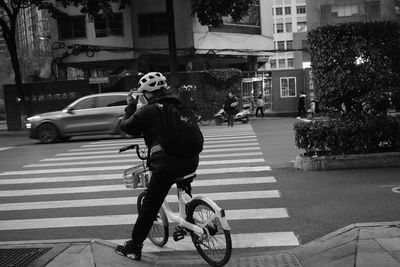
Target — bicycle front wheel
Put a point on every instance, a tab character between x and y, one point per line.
159	231
215	247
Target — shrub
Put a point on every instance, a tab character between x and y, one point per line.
337	137
219	82
356	66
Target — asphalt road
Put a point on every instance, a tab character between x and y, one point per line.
317	202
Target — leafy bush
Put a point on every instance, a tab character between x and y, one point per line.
219	82
356	67
336	137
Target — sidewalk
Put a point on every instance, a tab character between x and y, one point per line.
357	245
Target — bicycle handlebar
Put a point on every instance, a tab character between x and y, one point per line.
135	146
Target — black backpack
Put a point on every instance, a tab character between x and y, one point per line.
181	136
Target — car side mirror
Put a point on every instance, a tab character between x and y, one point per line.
70	110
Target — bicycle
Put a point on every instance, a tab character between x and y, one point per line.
206	115
199	216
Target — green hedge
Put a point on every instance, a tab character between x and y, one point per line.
218	82
337	137
356	67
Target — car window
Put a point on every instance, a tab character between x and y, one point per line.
110	101
84	103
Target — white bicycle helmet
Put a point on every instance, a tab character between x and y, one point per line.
151	82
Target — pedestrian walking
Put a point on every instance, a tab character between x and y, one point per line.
260	106
230	108
301	108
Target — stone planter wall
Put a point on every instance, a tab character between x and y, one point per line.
375	160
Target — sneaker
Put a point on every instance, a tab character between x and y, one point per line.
130	250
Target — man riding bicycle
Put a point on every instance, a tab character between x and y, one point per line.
147	121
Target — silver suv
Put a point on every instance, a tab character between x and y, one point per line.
89	115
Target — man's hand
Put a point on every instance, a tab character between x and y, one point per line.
130	99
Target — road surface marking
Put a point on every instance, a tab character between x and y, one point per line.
202	156
138	161
115	148
220	196
250	240
5	148
97	177
251	148
124	219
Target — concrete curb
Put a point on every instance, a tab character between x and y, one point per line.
373	160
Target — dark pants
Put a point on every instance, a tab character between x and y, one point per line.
231	119
158	189
261	110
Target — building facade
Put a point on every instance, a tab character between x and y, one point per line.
136	40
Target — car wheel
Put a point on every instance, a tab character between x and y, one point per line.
47	133
65	138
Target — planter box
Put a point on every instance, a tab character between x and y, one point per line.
361	161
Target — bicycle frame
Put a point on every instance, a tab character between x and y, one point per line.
180	218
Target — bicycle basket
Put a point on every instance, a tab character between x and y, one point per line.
136	177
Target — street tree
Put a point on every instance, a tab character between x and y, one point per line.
209	12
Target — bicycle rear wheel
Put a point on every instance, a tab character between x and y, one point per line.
215	248
159	231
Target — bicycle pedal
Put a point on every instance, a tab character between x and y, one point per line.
179	233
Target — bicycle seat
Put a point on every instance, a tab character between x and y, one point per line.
184	181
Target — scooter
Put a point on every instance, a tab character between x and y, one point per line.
243	115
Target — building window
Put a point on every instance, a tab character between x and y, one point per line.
281	45
301	9
153	24
289	45
281	63
109	25
288	27
278	11
288	87
347	10
272	63
72	27
290	63
279	27
273	28
288	10
301	26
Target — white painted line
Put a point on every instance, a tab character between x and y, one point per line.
132	200
136	161
251	148
202	156
251	240
234	169
124	219
5	148
115	148
244	240
117	176
206	141
121	187
123	167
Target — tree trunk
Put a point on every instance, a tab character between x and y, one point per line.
12	49
173	63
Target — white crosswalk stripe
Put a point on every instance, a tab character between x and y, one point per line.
77	190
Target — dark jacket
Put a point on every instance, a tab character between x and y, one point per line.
147	121
228	108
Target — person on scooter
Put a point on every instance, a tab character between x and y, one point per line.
230	108
165	168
